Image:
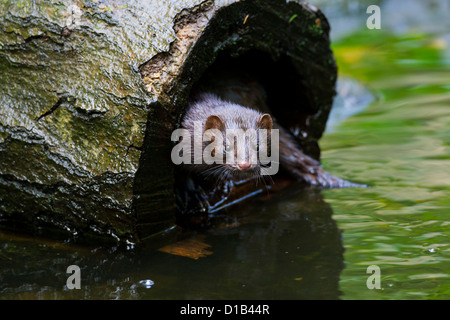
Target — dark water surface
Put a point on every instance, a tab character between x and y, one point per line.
287	248
307	244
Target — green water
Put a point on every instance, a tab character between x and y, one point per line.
399	145
304	244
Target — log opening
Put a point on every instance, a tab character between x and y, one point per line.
250	53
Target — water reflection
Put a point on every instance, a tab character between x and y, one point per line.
285	248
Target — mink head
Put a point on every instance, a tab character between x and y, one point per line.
232	137
244	135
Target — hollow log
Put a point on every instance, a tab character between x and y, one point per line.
90	93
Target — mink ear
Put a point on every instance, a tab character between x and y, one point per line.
265	122
214	122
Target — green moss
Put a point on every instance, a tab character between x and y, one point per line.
293	17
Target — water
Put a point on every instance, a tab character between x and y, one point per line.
399	145
304	244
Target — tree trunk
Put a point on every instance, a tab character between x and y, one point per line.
90	94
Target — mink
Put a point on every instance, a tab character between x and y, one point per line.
214	113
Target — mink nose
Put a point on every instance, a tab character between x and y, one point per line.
244	166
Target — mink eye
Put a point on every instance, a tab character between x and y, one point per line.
227	147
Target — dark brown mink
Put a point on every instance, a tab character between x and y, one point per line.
216	113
